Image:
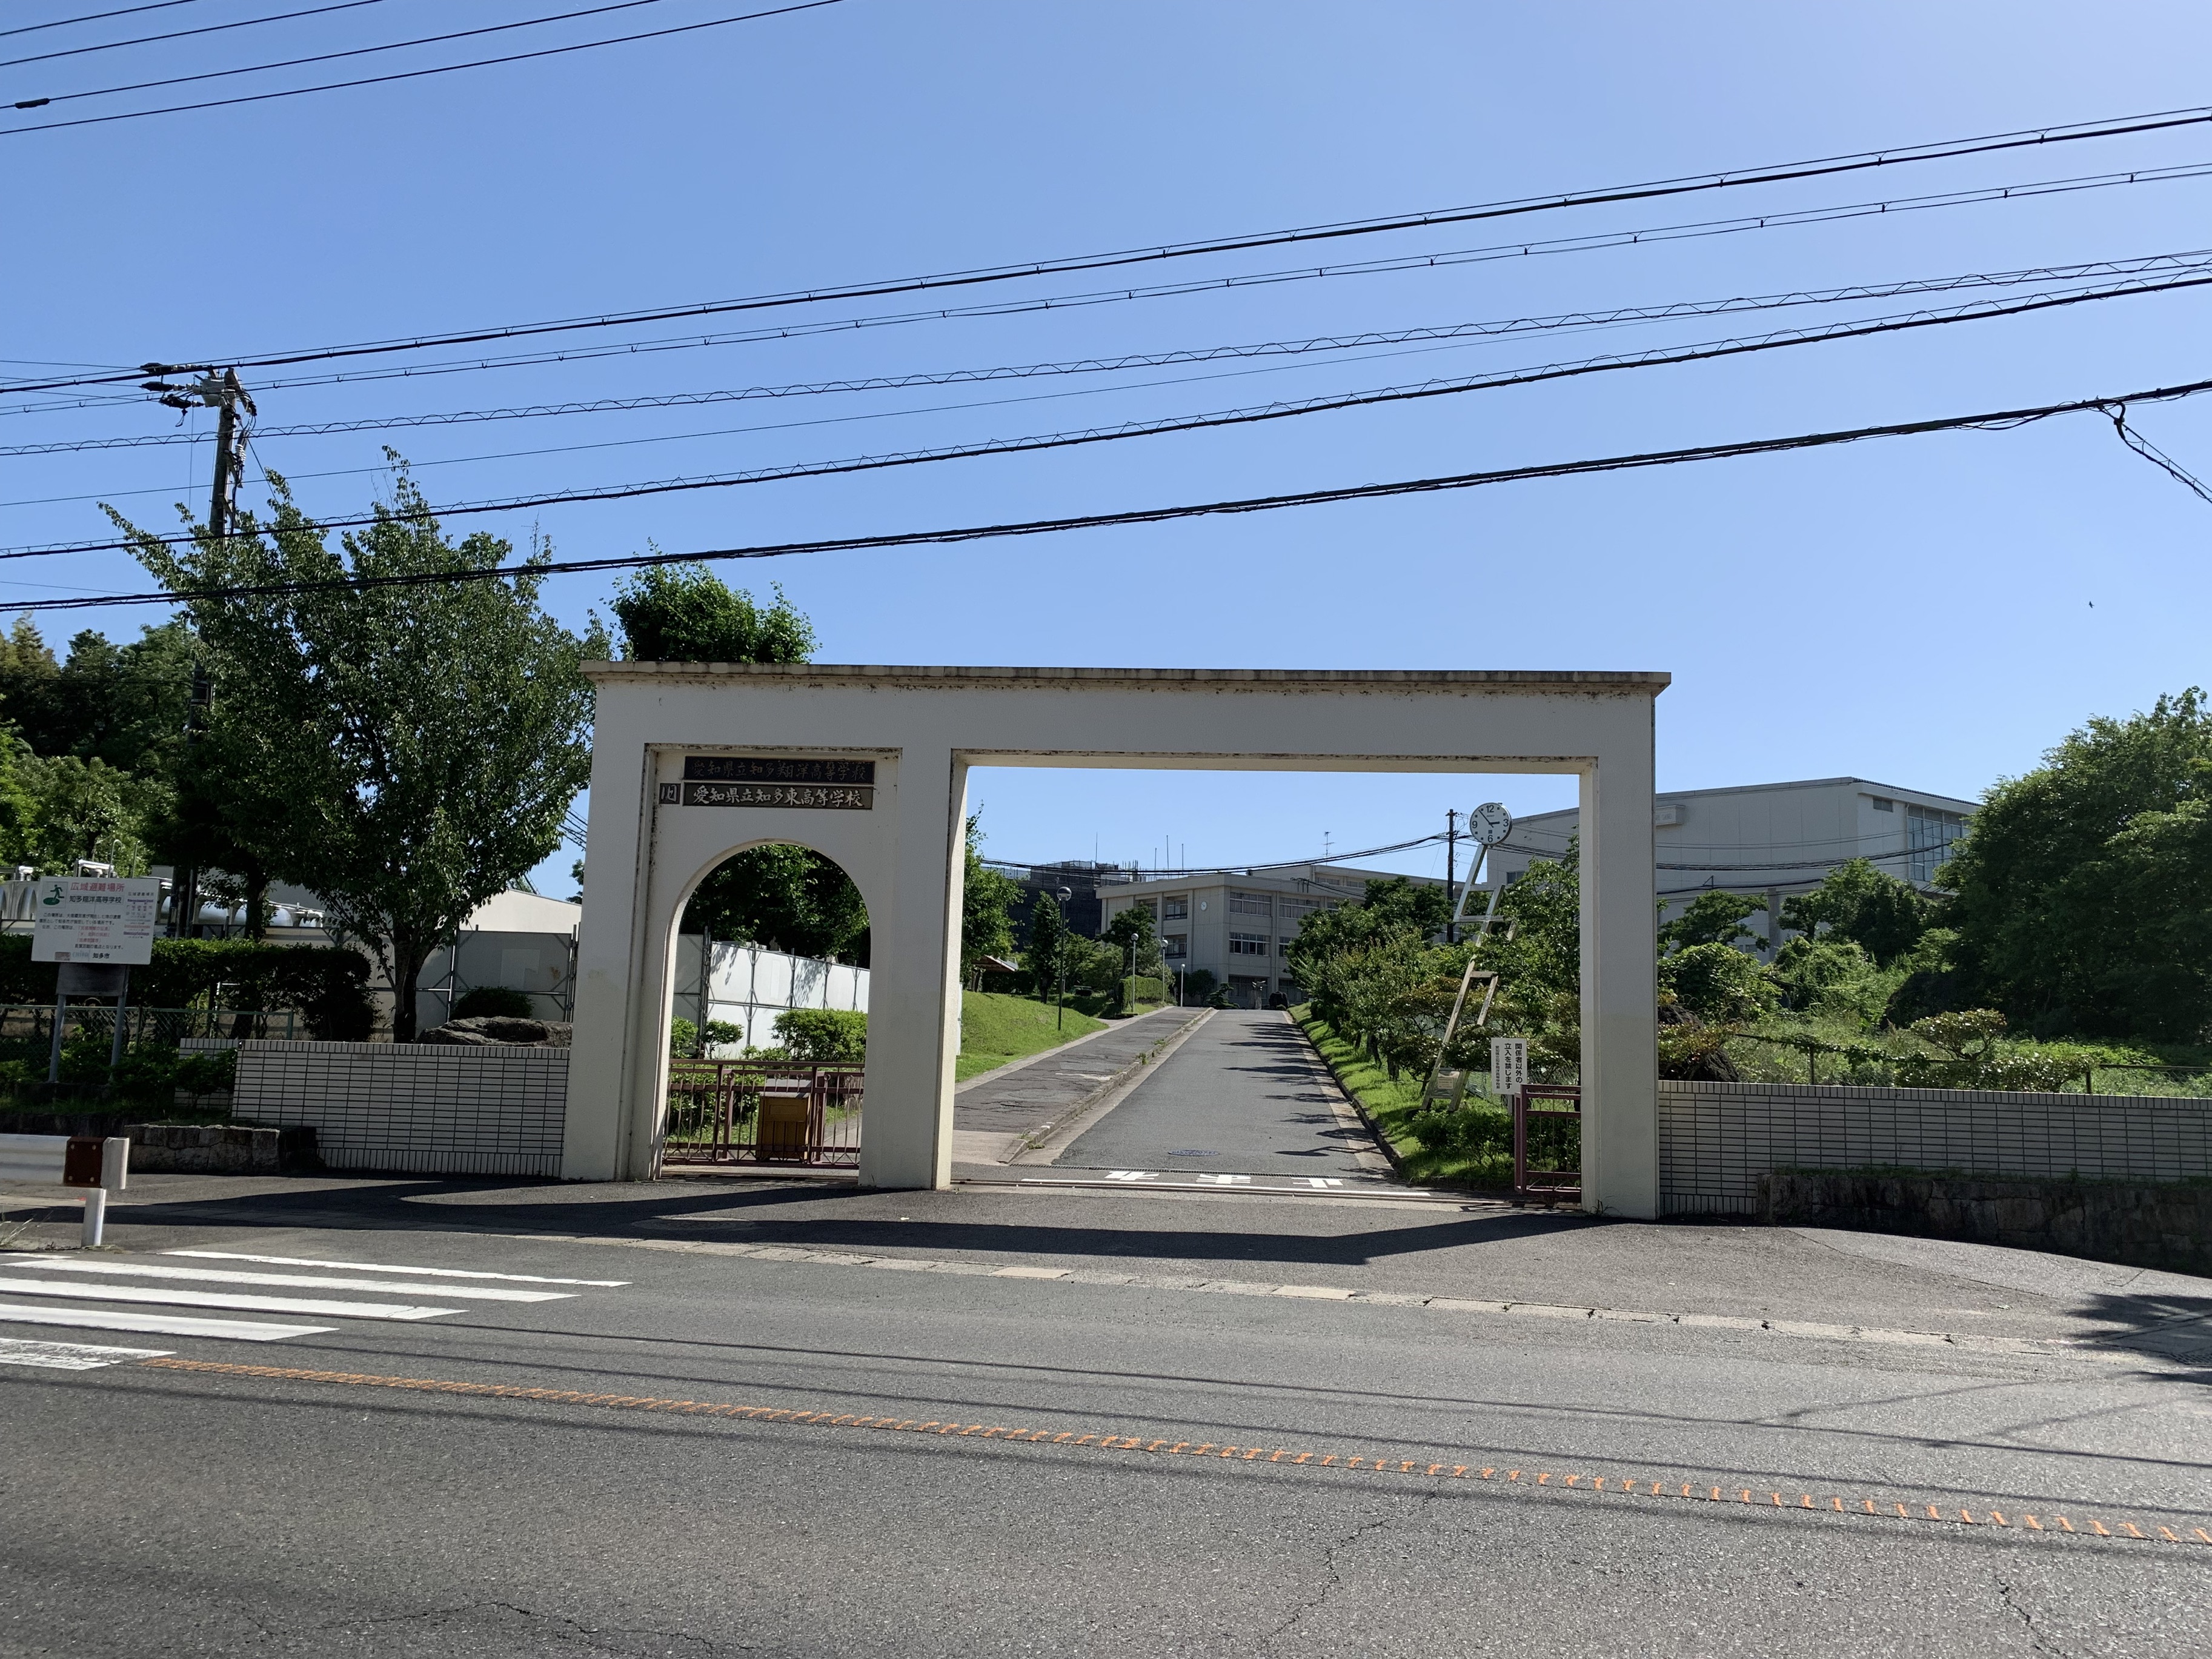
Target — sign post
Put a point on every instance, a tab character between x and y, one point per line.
94	929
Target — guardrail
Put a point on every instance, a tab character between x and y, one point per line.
87	1167
753	1111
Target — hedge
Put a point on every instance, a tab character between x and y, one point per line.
326	985
824	1034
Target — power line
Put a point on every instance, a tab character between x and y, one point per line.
94	17
322	56
1861	162
1508	251
179	35
1656	358
2003	419
404	75
1570	321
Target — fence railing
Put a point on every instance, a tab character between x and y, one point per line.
158	1027
754	1111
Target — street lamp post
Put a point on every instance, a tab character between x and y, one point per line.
1059	1015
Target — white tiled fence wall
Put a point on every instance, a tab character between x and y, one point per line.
432	1109
1715	1140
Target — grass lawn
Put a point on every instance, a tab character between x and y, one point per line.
996	1030
1393	1104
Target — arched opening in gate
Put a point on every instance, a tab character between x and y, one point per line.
768	990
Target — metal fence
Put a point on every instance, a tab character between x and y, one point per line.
754	1111
153	1027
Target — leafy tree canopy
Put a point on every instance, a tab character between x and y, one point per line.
1047	945
2084	889
1715	917
123	706
686	613
407	750
783	898
987	898
1859	903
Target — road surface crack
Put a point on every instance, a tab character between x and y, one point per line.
2027	1621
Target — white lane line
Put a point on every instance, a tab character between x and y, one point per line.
70	1356
386	1268
155	1324
303	1281
223	1299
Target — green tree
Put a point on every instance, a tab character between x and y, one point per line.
1858	902
414	729
686	613
784	898
1715	917
1047	942
1716	982
85	809
2083	889
987	898
122	705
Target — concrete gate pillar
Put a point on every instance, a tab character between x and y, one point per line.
913	982
1619	973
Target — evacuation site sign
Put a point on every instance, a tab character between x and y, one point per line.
95	919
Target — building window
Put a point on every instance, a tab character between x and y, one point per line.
1929	836
1882	805
1285	943
1249	904
1146	905
1175	946
1248	945
1175	907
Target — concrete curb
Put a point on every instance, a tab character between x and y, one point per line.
1351	1098
1046	1142
1014	1066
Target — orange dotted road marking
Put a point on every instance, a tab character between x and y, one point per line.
1300	1459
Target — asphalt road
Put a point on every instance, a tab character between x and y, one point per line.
435	1486
1244	1093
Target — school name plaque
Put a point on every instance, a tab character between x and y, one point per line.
821	784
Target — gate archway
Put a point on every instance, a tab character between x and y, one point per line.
869	766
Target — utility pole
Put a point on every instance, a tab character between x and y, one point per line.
223	394
1451	873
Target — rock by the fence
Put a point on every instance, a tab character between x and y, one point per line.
500	1031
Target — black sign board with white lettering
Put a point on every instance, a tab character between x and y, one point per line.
777	769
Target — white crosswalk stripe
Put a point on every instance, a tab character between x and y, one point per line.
158	1297
384	1267
236	1300
211	1275
156	1324
70	1356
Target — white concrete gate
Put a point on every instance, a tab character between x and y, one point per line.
694	762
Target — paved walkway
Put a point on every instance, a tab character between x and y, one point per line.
992	1113
1245	1094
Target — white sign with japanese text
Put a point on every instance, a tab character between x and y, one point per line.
1508	1066
95	919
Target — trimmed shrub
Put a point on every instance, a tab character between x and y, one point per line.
824	1034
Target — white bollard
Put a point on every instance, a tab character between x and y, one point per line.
115	1164
95	1215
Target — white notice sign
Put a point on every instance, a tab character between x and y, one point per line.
95	919
1508	1066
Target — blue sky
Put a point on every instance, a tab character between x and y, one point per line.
1933	613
